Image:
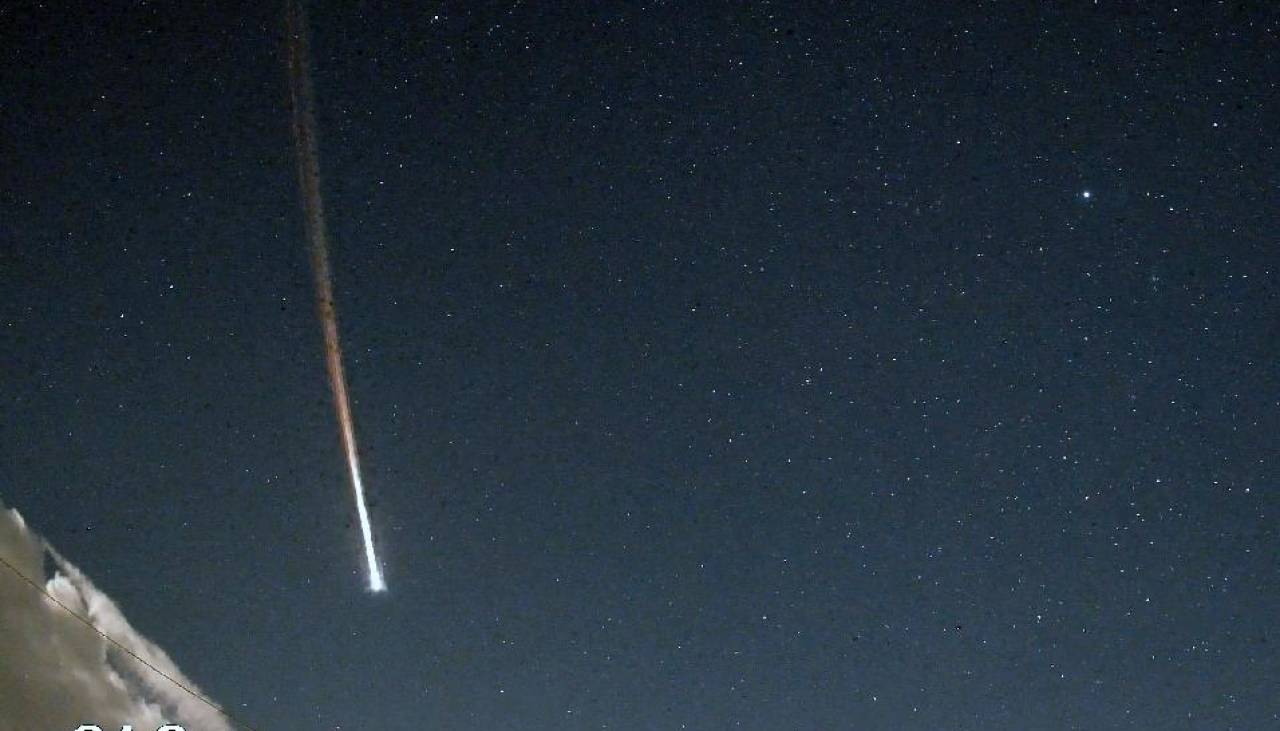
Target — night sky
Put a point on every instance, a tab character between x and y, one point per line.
762	366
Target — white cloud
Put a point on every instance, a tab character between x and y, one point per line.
56	673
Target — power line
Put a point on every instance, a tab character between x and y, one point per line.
194	694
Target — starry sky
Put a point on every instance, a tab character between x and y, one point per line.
715	365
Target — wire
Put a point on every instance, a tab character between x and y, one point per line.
194	694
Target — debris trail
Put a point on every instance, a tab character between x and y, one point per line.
304	138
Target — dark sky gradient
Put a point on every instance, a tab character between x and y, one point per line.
757	367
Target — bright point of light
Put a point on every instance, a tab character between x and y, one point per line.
1087	194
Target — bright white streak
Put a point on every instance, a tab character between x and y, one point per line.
304	135
376	582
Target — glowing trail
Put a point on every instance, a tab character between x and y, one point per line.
304	137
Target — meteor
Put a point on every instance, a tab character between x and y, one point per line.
304	139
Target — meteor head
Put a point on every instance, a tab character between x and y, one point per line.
377	584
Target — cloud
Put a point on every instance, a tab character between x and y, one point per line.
56	673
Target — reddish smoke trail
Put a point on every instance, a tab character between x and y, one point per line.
304	137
